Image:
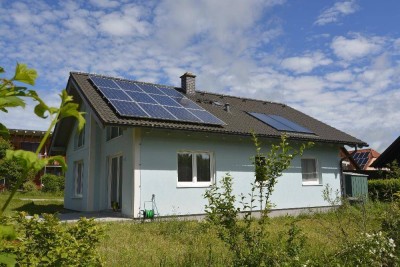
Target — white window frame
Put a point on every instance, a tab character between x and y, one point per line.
109	131
194	182
317	180
77	165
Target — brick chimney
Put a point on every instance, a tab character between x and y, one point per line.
188	83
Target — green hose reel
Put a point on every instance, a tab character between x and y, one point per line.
148	213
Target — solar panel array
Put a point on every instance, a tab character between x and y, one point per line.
361	158
280	123
140	100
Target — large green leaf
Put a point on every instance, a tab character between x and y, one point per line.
24	74
11	101
27	159
4	132
2	70
59	159
70	109
7	259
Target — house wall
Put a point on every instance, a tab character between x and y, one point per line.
95	155
158	175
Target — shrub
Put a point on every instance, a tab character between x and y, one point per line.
52	183
47	242
29	186
383	189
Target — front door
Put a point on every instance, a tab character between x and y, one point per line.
115	182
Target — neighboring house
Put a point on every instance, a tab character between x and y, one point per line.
29	140
143	139
392	153
363	158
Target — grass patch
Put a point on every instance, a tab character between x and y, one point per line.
34	203
190	243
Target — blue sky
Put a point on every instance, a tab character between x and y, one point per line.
338	61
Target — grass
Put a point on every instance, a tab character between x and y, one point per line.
189	243
34	203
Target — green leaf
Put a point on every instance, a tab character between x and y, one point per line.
11	101
25	75
4	132
28	160
59	159
68	109
2	70
8	259
7	232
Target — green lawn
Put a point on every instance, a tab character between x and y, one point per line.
34	203
188	243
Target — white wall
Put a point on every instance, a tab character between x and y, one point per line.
158	163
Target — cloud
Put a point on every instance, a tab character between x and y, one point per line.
306	63
356	47
104	3
339	10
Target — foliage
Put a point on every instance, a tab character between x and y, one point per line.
383	189
247	239
10	96
393	173
29	186
52	183
47	242
9	170
391	223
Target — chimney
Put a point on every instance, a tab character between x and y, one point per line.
227	107
188	83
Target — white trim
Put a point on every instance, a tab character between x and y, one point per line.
318	181
194	182
108	128
91	142
136	178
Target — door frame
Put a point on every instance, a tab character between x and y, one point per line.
119	156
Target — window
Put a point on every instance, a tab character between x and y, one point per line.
80	138
113	132
309	171
30	146
259	164
78	178
195	169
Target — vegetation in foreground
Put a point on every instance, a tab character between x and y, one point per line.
190	243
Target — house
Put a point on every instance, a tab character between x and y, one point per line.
29	140
361	159
143	140
392	153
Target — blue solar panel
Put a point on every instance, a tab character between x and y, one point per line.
134	99
103	82
183	114
166	100
280	123
150	89
128	108
157	111
187	103
129	86
141	97
114	94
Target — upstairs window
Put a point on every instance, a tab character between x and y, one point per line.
113	132
195	169
309	171
80	138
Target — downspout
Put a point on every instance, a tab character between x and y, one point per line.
342	184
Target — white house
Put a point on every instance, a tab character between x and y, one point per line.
143	139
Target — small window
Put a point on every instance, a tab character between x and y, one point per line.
195	169
80	138
309	171
113	132
78	178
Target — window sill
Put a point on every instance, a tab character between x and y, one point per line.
112	139
193	185
316	184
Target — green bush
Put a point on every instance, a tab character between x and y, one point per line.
29	186
52	183
47	242
383	189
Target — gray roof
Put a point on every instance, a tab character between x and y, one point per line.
238	121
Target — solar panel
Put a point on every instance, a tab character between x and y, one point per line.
280	123
361	158
141	100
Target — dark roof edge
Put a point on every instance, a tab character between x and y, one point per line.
391	149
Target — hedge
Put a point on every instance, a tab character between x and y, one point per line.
52	183
383	189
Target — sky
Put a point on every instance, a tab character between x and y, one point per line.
337	61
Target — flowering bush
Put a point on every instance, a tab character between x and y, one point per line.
374	249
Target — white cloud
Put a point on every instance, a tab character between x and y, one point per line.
306	63
104	3
339	9
356	47
340	76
